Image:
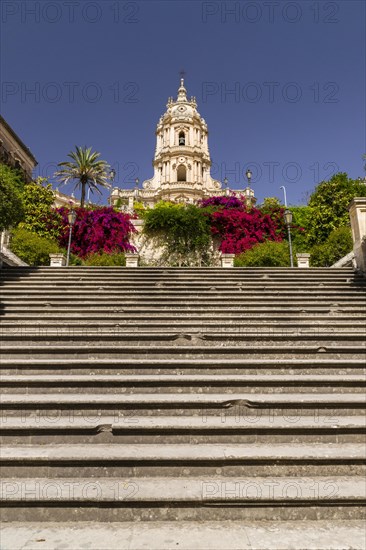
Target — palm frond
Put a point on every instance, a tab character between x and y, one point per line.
85	169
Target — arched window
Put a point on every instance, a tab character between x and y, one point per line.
182	138
182	173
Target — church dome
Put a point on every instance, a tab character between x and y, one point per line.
182	110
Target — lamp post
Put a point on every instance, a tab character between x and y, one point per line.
288	222
112	175
71	218
226	183
249	174
284	194
136	193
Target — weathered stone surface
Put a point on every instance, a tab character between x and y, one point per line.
301	535
200	388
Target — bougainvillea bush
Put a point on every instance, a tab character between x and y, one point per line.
238	227
98	230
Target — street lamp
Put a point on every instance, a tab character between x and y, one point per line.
71	218
112	175
137	181
288	221
226	183
248	174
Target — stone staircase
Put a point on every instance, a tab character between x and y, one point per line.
183	408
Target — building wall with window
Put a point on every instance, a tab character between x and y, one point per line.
14	153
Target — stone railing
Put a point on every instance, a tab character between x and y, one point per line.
357	212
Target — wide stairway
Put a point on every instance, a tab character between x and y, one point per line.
194	409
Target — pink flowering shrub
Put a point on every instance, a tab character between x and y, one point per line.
238	227
240	230
225	202
99	230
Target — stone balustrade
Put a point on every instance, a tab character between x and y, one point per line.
357	212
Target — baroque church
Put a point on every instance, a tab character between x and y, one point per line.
181	163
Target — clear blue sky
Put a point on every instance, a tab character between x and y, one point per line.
101	72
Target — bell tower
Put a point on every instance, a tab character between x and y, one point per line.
182	159
182	162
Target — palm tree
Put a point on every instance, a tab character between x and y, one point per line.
86	169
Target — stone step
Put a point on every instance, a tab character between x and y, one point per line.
177	367
333	534
71	337
331	323
91	270
71	458
183	383
352	453
244	490
311	316
33	335
198	276
112	300
229	276
176	424
168	400
208	289
176	293
192	348
85	508
37	427
203	381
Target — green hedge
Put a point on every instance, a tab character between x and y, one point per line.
103	259
267	254
31	248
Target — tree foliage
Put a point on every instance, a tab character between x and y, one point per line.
338	244
328	206
300	227
11	204
39	215
85	169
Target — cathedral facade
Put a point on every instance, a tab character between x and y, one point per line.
181	162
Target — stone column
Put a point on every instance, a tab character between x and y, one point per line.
303	260
132	260
357	212
227	260
4	239
130	203
57	260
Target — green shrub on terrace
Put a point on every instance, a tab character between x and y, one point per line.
104	259
31	248
338	244
267	254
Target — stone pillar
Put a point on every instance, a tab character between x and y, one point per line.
132	260
130	203
57	260
4	239
357	212
227	260
303	260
